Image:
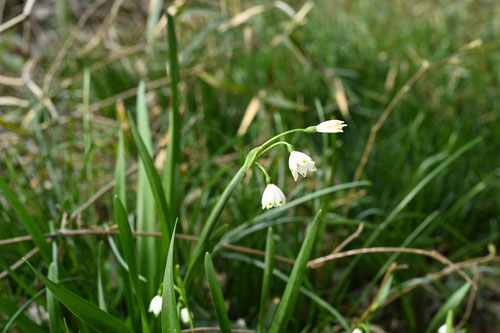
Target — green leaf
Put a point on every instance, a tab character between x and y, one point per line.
449	322
169	315
87	312
100	289
171	172
52	304
120	186
129	252
266	281
451	304
31	225
153	16
216	293
292	288
145	198
155	181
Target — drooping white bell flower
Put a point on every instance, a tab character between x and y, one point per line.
185	315
155	305
443	329
272	197
357	330
331	126
300	163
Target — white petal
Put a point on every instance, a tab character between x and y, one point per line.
155	305
295	175
268	197
185	315
331	126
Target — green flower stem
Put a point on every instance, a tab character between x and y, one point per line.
268	178
311	129
289	147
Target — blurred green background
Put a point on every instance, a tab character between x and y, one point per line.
426	72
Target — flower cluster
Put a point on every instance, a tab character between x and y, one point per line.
298	163
156	305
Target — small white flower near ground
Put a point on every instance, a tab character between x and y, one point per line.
331	126
185	315
155	305
241	323
442	329
272	197
357	330
300	163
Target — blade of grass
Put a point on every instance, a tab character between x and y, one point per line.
120	186
166	225
217	298
266	281
292	288
171	172
145	199
20	311
100	289
31	225
52	304
451	304
153	16
83	309
169	316
129	252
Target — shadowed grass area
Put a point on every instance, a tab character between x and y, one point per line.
418	165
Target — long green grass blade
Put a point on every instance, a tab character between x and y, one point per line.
169	315
153	16
31	225
120	187
20	311
451	304
216	293
171	172
145	199
266	281
83	309
292	288
52	303
129	252
166	225
100	288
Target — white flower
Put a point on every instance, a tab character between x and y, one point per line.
272	197
185	315
155	305
443	329
331	126
300	163
357	330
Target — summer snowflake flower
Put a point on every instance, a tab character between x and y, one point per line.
272	197
155	305
331	126
442	329
357	330
300	163
185	315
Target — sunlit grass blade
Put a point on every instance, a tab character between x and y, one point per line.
87	312
266	281
171	172
451	304
166	225
449	322
31	225
297	275
129	252
216	293
153	16
52	303
169	315
145	199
